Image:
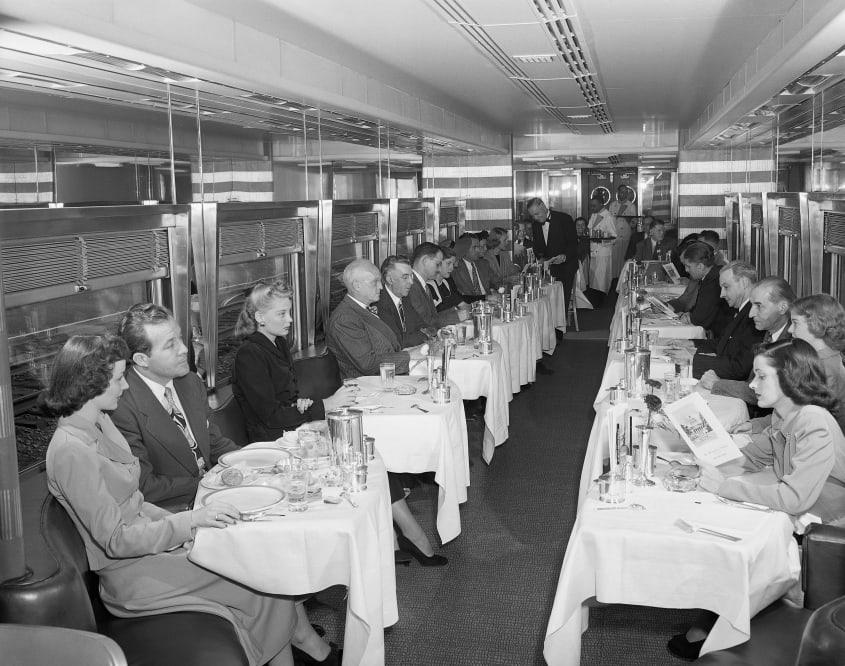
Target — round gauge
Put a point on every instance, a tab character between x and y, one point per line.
629	192
601	192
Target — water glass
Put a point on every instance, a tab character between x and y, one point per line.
672	385
296	486
332	483
612	488
461	334
388	375
683	369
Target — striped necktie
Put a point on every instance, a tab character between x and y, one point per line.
180	421
476	281
401	314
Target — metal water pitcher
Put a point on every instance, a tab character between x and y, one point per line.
637	369
346	433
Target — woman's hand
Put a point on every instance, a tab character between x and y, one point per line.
742	428
711	478
215	514
708	380
302	404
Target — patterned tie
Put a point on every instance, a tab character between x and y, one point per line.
179	419
476	281
401	315
372	309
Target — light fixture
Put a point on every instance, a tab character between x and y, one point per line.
535	58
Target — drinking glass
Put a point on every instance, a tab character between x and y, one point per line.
388	375
672	386
461	334
296	486
332	483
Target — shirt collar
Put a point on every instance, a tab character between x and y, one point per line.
355	300
155	387
420	279
468	263
776	334
393	297
742	305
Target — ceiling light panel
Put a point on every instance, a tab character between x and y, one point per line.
537	58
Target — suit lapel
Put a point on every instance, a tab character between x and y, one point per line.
372	321
421	296
158	425
731	328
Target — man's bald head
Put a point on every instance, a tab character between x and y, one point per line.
362	280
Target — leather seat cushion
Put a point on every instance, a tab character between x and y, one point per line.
177	639
775	639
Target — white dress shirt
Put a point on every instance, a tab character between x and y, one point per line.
158	392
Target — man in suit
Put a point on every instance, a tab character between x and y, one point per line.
471	276
164	413
731	355
356	336
427	261
655	247
556	241
397	277
709	310
770	301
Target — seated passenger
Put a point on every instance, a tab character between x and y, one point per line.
770	301
656	247
708	307
356	336
136	548
713	240
263	376
731	355
397	278
472	277
444	294
503	272
164	412
427	262
793	465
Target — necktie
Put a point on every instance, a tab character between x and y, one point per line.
179	419
767	339
476	281
401	314
372	309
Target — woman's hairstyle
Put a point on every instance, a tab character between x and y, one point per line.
259	299
800	373
448	252
82	370
699	253
825	318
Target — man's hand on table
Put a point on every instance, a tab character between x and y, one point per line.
684	318
708	380
302	404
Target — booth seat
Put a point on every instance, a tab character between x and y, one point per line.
68	597
784	635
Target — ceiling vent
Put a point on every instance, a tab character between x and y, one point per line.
542	58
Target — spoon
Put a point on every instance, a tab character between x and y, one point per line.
634	507
416	406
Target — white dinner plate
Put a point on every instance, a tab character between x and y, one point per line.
212	481
247	499
256	458
290	440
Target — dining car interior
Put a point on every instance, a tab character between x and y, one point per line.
378	332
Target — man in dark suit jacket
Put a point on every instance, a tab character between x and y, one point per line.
471	276
164	412
731	355
709	310
656	245
356	336
426	261
555	240
770	300
397	278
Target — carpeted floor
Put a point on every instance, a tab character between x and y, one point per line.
490	605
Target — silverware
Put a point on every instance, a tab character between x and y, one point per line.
265	515
353	503
744	505
689	528
634	507
416	406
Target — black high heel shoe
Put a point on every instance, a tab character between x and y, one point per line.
427	561
302	658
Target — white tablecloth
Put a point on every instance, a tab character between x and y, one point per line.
479	375
555	293
667	328
521	346
542	311
310	551
412	441
642	558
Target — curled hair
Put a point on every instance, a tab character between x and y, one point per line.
390	262
258	300
699	253
825	318
448	252
81	371
426	249
800	373
132	327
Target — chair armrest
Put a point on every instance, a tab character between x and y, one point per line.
823	565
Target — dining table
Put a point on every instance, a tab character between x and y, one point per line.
639	554
414	434
557	301
521	346
293	553
666	325
477	374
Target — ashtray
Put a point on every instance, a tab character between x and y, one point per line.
405	389
679	482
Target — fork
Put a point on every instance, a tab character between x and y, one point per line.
353	503
689	528
416	406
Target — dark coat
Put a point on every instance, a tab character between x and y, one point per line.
463	278
645	253
709	308
169	472
740	388
360	341
731	355
409	336
419	300
563	239
449	296
264	384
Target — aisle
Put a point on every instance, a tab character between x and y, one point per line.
491	603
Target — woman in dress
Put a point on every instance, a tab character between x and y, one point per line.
264	383
796	465
263	377
442	289
140	551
